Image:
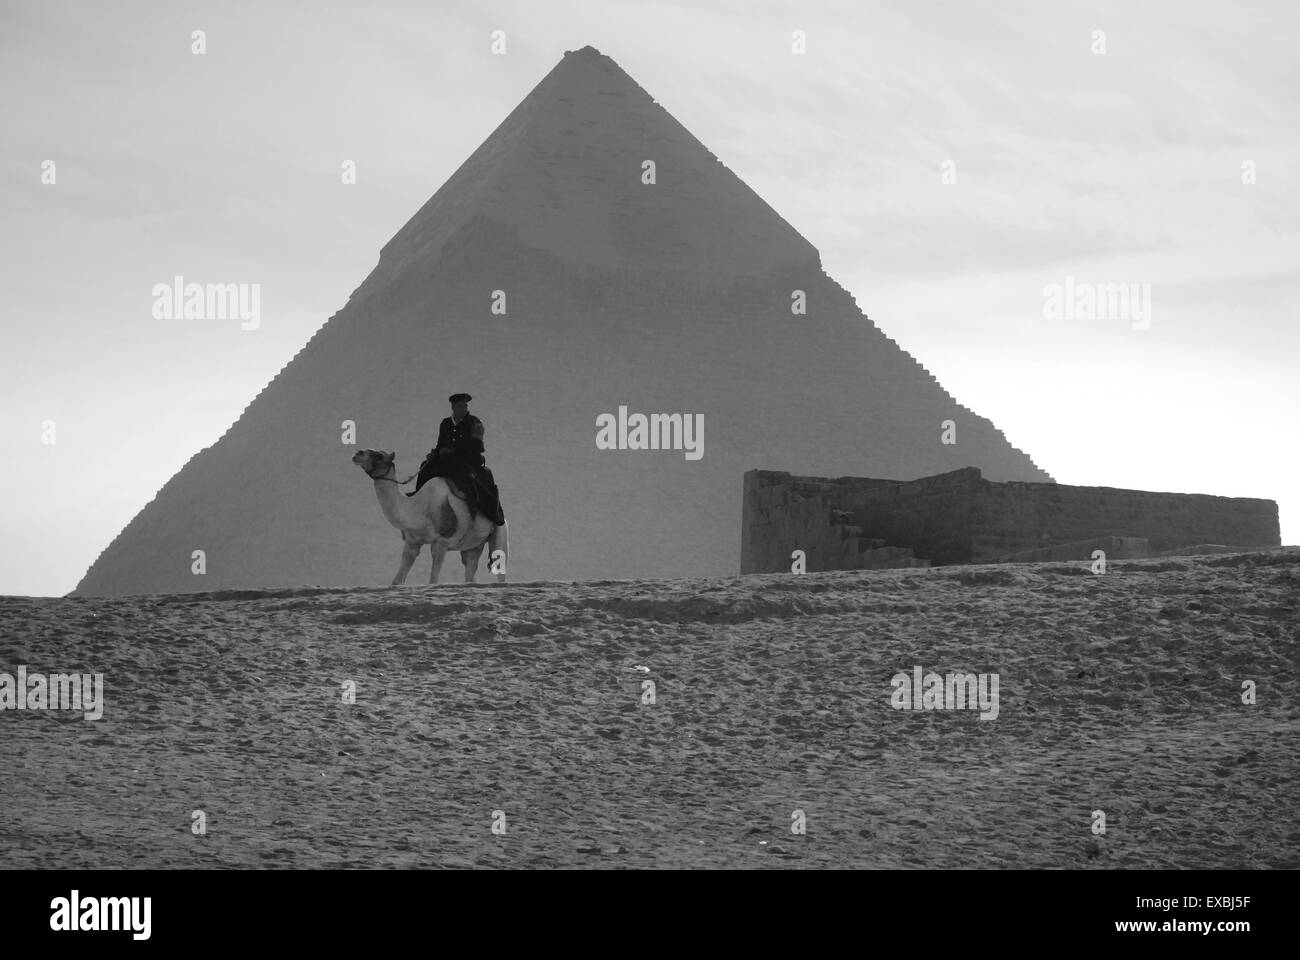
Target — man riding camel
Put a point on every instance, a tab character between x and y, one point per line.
458	455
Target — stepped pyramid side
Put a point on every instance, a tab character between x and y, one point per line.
672	298
563	170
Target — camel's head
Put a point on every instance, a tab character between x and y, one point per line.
375	463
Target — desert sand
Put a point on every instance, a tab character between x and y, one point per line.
1119	692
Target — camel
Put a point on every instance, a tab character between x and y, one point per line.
436	516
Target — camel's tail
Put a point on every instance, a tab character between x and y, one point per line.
498	540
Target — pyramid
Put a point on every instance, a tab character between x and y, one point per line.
671	298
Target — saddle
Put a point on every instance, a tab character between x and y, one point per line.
480	498
478	492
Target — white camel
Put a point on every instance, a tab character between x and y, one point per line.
434	516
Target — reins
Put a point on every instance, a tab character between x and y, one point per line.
391	480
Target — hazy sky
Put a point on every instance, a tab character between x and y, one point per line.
1117	167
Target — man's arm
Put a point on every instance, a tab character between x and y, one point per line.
472	446
444	440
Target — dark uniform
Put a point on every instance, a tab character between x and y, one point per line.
463	464
465	439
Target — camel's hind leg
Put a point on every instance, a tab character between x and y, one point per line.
439	553
409	552
470	559
498	552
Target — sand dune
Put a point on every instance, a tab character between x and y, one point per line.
1119	692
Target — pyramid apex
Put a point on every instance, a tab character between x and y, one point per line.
587	51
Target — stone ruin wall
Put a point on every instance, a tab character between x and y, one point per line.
1007	516
959	517
782	513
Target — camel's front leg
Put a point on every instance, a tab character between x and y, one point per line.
439	553
409	552
470	559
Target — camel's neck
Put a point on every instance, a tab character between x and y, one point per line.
391	500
